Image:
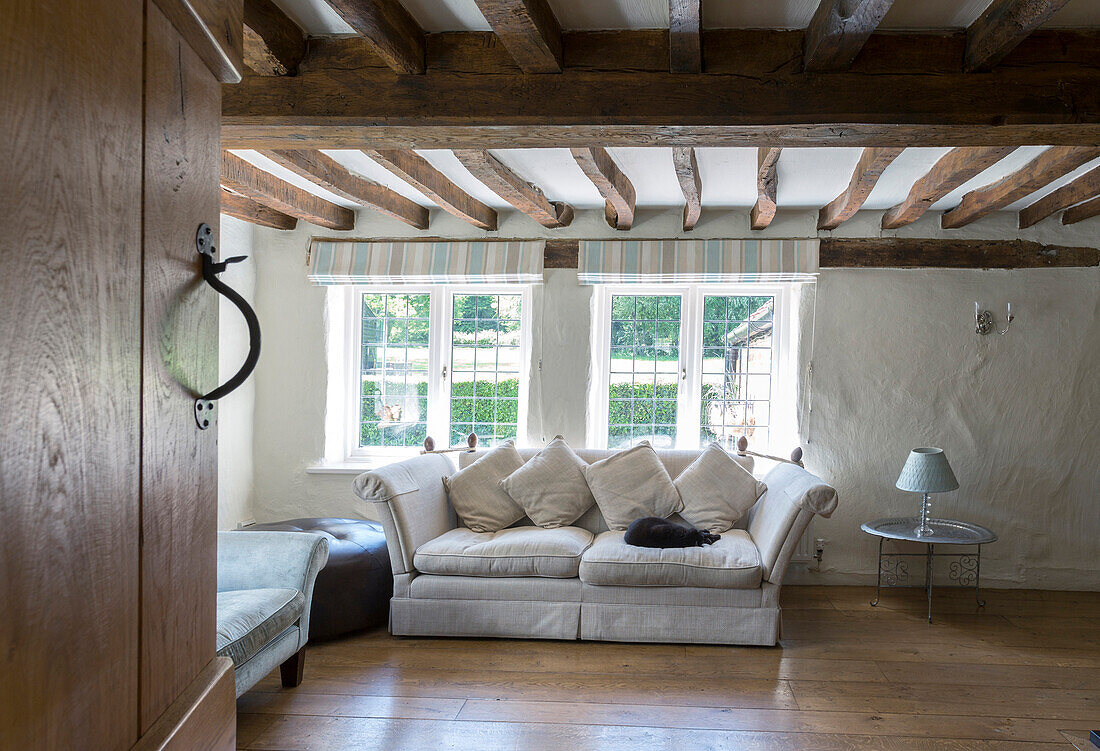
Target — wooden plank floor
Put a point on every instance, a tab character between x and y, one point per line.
1014	675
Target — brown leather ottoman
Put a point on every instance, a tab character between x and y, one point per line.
353	591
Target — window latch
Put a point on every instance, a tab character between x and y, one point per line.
683	374
444	372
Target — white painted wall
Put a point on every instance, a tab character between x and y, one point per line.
235	412
897	365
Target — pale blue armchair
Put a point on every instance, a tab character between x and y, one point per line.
265	585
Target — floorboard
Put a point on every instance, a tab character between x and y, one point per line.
1022	674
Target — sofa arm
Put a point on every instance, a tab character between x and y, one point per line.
269	560
783	513
411	504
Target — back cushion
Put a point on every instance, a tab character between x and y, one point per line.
675	461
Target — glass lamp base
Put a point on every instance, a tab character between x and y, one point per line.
925	529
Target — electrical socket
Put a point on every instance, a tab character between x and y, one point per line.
819	552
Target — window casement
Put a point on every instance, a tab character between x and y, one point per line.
429	360
684	365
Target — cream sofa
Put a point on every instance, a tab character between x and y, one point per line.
583	581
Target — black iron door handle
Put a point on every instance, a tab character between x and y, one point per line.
204	242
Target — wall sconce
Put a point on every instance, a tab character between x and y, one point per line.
983	320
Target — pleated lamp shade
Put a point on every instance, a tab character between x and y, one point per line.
927	471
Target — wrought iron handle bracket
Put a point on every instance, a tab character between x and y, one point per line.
204	243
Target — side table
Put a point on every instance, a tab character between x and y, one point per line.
892	566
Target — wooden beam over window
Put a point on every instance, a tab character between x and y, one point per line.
1003	25
247	210
687	172
616	189
324	171
914	252
616	90
952	170
1082	189
1036	174
263	187
273	44
420	174
393	34
871	165
838	31
514	189
1083	211
529	31
767	184
685	39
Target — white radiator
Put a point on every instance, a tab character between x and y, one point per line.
804	552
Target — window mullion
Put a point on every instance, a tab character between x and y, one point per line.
687	429
439	355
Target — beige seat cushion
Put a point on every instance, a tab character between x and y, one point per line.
551	486
517	551
632	484
475	491
250	619
731	563
716	490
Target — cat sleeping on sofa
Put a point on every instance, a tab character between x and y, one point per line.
654	532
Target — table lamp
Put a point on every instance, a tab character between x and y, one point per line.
926	471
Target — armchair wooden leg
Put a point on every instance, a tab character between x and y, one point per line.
291	669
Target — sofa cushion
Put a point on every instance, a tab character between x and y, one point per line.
716	490
475	491
516	551
249	619
632	484
731	563
551	486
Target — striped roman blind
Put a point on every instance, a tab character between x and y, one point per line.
334	262
697	261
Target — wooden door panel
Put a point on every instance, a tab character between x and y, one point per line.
179	462
70	367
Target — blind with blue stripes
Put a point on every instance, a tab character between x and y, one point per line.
697	261
333	262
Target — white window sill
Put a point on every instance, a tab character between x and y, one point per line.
347	468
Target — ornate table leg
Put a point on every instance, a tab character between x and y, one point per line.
978	579
928	576
878	587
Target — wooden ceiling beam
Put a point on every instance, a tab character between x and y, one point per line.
392	33
616	189
902	90
952	170
263	187
273	44
1003	25
1081	189
838	31
529	30
247	210
420	174
685	38
871	165
914	252
1036	174
767	185
1081	211
691	184
324	171
514	189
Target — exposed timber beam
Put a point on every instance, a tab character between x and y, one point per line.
903	89
420	174
263	187
687	172
838	31
767	184
529	31
1081	189
616	189
514	189
273	44
1038	173
1003	25
1082	211
871	165
324	171
392	33
952	170
913	252
245	209
685	39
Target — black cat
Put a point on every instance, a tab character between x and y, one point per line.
654	532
